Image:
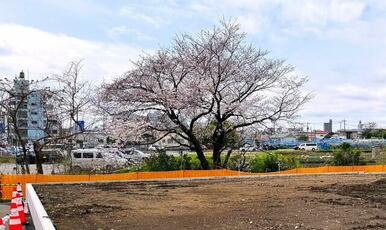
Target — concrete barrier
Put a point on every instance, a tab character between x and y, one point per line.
38	213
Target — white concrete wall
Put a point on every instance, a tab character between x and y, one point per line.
38	213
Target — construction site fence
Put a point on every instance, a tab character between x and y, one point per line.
8	181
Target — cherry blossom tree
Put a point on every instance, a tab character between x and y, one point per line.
214	76
164	84
248	87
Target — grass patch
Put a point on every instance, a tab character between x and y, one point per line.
7	159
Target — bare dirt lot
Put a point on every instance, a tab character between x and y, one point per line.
356	201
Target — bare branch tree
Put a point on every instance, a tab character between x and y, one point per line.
64	102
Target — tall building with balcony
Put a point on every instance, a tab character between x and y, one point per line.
30	114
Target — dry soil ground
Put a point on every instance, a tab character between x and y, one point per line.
356	201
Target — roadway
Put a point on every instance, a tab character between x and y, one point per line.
11	168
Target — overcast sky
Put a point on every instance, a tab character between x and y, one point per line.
339	44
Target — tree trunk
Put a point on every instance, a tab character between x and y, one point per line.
25	161
22	143
218	145
227	158
39	157
216	159
22	168
200	153
201	157
192	138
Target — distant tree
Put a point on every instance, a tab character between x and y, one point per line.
370	130
346	155
302	138
328	135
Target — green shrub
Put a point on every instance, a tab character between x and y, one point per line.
346	155
195	162
161	162
164	162
313	159
239	162
271	162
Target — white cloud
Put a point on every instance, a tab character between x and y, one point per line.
249	24
43	53
251	14
320	13
134	14
118	31
327	19
356	102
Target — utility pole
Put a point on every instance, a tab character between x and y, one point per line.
344	124
308	127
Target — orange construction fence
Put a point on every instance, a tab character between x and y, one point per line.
8	181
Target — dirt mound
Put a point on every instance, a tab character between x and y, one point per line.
374	192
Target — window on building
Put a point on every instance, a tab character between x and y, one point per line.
34	122
88	155
24	133
22	114
22	124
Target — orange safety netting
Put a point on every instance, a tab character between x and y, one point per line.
8	181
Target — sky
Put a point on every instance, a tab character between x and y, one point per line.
340	45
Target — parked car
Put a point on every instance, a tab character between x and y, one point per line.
30	157
308	147
52	155
134	155
97	159
249	148
4	152
49	156
268	147
155	148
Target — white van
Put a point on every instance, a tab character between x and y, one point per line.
96	159
308	147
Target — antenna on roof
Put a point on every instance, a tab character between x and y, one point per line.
21	74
